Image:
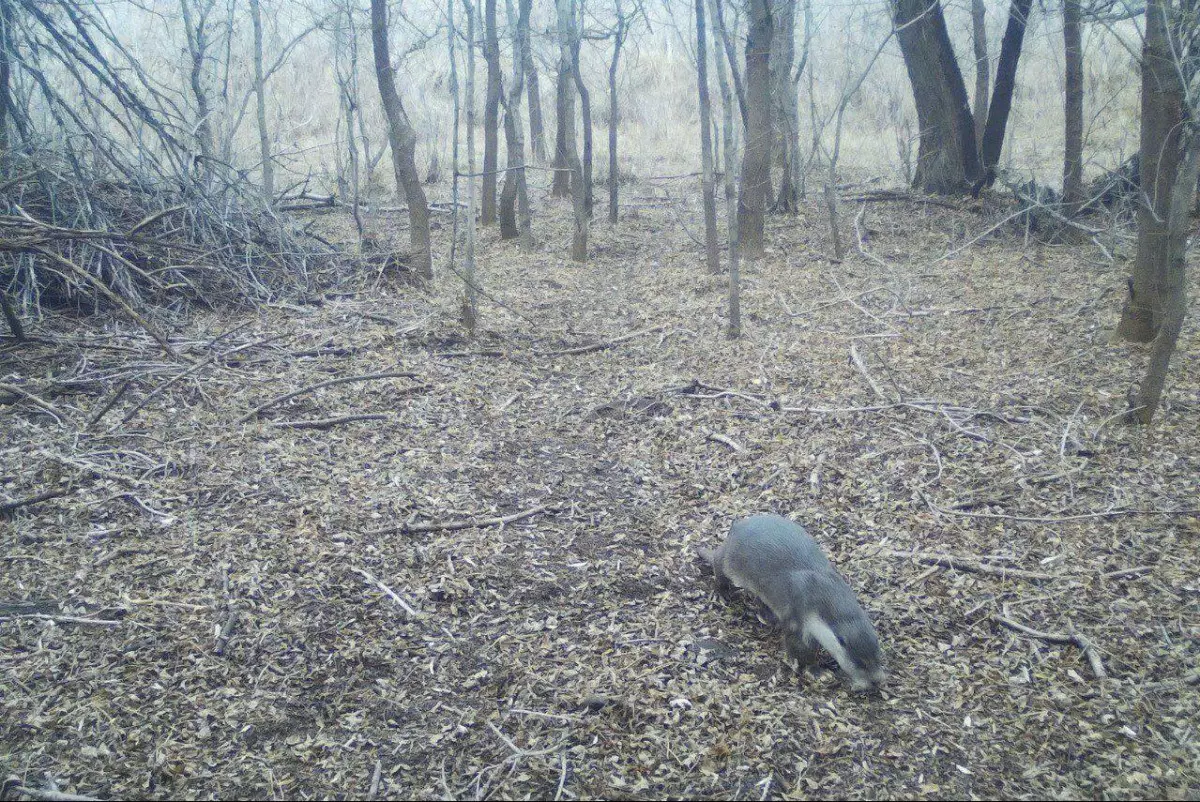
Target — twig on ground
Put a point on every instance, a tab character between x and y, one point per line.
325	423
875	388
33	399
45	495
467	524
720	438
13	785
973	565
1086	646
391	593
254	413
600	346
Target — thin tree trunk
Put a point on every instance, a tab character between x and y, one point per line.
1173	285
581	168
403	140
948	159
731	55
7	109
727	140
585	112
756	164
537	125
469	313
614	172
491	113
1006	78
1162	120
196	31
1073	107
564	135
983	67
264	137
711	248
515	192
785	102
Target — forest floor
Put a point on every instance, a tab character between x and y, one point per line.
216	605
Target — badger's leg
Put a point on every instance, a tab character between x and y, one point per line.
799	652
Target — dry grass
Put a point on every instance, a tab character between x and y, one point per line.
579	652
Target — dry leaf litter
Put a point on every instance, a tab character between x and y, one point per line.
222	605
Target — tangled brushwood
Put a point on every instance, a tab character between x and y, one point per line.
140	247
114	196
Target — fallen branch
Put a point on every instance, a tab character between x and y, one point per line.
65	619
13	786
875	388
720	438
972	565
600	346
326	423
1084	516
254	413
107	405
1086	646
473	523
33	399
226	632
391	593
45	495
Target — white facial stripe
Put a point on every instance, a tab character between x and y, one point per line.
816	628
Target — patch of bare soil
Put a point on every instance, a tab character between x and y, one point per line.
217	603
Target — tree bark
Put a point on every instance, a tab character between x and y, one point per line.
491	113
1073	106
469	310
731	54
787	110
947	158
515	191
711	249
564	135
264	136
585	113
1006	78
1163	115
7	109
537	124
734	329
581	169
614	117
196	32
983	66
756	164
403	140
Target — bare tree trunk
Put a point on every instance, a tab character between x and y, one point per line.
731	54
537	125
585	111
785	119
564	134
983	67
1006	77
469	313
403	140
7	109
727	140
196	30
711	248
581	169
756	164
614	117
514	223
1073	127
491	113
264	136
1162	120
948	159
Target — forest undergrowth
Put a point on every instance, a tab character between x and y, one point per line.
337	550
